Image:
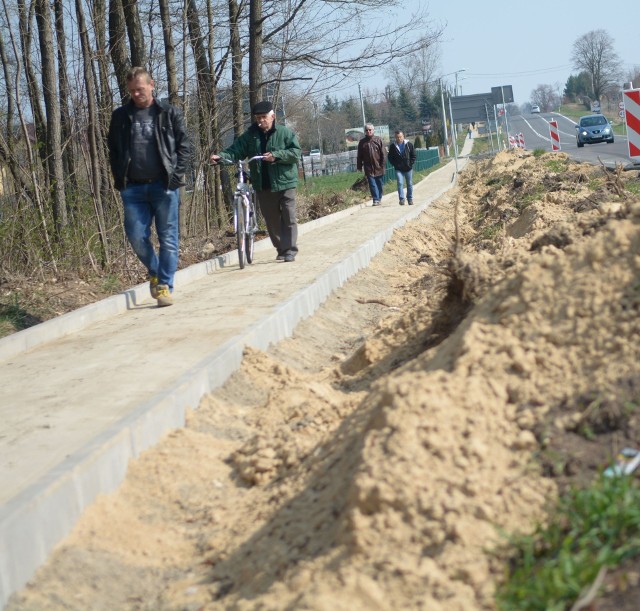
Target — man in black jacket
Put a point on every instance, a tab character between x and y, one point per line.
402	156
149	151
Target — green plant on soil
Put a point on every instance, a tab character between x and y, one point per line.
591	528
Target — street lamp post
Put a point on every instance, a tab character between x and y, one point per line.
364	120
315	110
444	121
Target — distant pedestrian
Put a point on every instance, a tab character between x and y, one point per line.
402	156
149	152
372	158
469	132
274	178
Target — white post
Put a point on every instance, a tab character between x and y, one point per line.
444	121
364	121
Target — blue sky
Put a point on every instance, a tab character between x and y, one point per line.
522	43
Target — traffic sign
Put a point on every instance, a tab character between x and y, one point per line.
621	114
621	105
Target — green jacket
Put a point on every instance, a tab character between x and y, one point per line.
282	143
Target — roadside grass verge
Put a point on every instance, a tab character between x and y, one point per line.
590	529
575	111
335	190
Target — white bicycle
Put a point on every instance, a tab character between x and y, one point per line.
245	214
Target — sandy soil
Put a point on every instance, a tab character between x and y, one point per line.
485	360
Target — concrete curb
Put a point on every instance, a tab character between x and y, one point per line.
72	322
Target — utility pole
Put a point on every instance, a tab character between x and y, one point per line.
444	122
364	121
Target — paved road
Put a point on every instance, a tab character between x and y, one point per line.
535	129
76	408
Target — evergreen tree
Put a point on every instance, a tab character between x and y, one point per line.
408	111
330	105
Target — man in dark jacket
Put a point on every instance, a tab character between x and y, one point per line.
402	156
274	178
372	158
149	151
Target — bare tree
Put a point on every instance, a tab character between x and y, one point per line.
53	140
95	141
134	29
68	157
594	53
416	69
118	46
256	42
170	53
546	97
235	49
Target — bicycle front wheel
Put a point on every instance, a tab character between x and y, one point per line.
241	227
249	239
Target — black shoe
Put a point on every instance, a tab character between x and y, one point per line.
410	202
280	258
289	258
401	202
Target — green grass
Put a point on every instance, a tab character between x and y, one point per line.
556	165
13	317
332	183
590	528
481	144
633	187
575	111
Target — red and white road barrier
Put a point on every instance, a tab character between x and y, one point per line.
554	135
631	99
516	141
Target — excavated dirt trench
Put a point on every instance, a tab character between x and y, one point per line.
442	396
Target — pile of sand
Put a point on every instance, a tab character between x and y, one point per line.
441	397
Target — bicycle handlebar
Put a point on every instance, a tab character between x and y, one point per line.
223	161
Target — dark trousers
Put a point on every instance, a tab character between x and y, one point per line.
279	211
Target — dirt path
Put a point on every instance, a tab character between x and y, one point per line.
370	461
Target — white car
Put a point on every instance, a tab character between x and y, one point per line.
535	109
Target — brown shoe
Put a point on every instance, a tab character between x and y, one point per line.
165	298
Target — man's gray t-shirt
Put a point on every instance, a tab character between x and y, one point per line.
146	164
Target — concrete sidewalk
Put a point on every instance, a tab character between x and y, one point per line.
85	393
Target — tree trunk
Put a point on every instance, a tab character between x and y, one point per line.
136	36
236	67
255	51
53	142
118	46
68	153
33	89
93	131
170	56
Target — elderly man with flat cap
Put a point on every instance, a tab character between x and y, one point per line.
274	178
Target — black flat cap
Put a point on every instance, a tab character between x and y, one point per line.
262	108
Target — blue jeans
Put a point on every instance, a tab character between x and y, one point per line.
144	204
400	176
375	186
